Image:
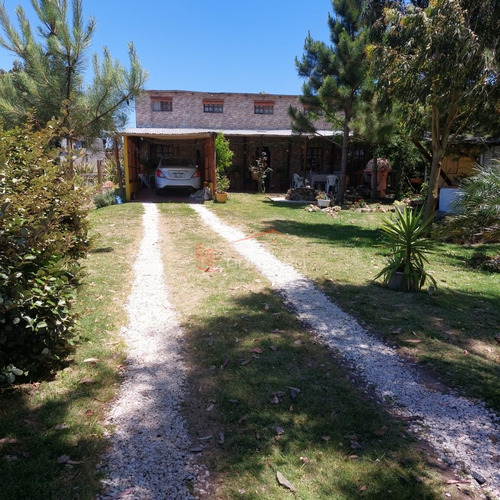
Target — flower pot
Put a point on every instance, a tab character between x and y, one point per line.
323	203
221	197
396	281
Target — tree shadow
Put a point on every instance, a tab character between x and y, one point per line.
339	234
275	394
43	433
451	333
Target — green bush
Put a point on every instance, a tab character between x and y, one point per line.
104	199
43	234
479	207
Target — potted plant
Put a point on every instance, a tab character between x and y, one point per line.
223	159
406	236
221	189
260	171
322	199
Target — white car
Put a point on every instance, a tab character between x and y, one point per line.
177	173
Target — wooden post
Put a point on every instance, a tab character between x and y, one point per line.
99	173
118	168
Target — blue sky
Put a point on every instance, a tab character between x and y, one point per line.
214	45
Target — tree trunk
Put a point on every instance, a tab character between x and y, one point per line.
343	161
374	180
439	143
432	191
118	167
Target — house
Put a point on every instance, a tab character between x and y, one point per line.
185	123
464	156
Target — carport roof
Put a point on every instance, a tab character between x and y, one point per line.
197	133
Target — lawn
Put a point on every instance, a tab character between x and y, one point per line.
266	397
272	398
452	333
54	426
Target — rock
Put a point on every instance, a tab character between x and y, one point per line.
480	479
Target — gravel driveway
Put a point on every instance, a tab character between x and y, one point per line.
464	433
149	456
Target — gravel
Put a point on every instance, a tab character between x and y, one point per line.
149	457
150	453
463	432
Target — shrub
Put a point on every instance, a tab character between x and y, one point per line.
104	199
479	217
406	237
223	160
43	233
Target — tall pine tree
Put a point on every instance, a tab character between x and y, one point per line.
50	82
334	75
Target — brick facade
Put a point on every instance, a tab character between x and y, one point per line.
252	122
238	110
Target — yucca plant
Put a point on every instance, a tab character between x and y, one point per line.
407	238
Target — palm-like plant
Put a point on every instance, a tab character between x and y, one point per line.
478	219
406	236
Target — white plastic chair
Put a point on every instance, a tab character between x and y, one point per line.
144	180
297	181
332	184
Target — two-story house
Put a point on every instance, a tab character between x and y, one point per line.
185	123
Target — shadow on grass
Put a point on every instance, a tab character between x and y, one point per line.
30	468
340	234
452	332
277	395
102	250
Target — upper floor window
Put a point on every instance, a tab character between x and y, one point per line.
263	108
213	106
313	111
158	105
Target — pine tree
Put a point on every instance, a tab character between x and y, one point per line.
50	81
334	75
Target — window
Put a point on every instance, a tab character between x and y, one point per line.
313	111
314	159
263	108
157	151
213	107
162	105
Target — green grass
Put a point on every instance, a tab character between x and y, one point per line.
227	312
454	329
245	348
75	398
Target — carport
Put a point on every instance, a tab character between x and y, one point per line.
143	146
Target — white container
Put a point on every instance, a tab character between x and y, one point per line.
447	198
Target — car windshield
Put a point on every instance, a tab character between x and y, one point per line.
176	162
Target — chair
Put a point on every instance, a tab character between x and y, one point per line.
297	181
145	180
332	185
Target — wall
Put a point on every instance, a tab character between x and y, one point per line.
238	111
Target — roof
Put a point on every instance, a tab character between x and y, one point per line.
197	133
